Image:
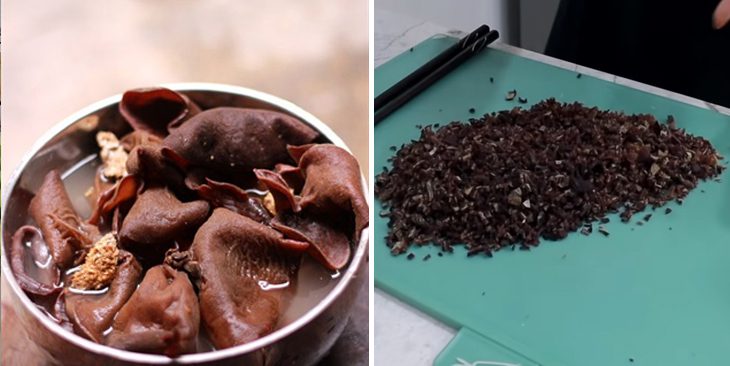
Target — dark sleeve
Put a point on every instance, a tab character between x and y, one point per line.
665	43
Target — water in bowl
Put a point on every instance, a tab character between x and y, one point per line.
313	281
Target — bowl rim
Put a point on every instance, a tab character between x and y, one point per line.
217	355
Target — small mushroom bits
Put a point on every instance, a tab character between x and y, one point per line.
202	219
513	177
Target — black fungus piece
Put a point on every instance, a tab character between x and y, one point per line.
671	122
472	110
647	217
522	100
410	256
491	80
605	220
512	178
511	95
440	254
393	148
667	211
427	257
626	215
579	76
603	231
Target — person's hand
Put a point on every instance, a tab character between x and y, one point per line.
722	14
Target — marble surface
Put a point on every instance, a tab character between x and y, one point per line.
59	56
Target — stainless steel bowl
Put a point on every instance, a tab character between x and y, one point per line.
302	342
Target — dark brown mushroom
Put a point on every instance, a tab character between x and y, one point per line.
162	316
237	140
63	231
230	196
292	176
123	191
139	138
156	110
59	313
330	245
235	254
333	208
33	264
92	314
280	190
332	183
157	218
148	163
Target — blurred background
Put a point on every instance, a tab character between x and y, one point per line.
59	56
523	23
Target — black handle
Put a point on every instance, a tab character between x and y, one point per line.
428	67
430	78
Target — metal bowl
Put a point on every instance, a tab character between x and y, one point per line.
302	342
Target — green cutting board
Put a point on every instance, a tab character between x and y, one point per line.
657	294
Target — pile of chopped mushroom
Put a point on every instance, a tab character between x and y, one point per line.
193	210
510	178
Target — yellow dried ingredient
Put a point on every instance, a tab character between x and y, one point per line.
100	265
269	203
112	155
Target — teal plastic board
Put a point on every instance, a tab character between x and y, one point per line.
657	294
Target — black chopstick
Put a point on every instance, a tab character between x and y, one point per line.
416	86
428	67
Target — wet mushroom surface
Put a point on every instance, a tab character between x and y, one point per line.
199	229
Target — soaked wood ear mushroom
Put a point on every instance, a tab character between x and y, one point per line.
330	245
63	230
333	209
32	263
238	139
156	110
139	138
236	256
281	192
92	313
123	191
232	197
162	316
157	218
292	175
332	183
148	163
